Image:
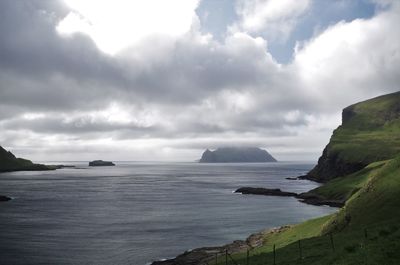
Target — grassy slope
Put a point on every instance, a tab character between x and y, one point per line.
343	188
371	133
374	204
8	162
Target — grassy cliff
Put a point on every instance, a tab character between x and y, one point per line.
365	231
370	132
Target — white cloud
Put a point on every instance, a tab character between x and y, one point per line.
116	25
352	60
274	18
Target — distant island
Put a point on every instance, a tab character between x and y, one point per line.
236	155
100	163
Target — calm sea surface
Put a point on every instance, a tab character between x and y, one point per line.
135	213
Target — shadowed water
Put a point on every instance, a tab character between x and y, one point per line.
138	212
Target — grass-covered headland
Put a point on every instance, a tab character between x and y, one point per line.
365	231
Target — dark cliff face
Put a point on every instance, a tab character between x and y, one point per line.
332	166
236	155
370	132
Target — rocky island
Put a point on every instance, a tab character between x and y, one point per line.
100	163
237	155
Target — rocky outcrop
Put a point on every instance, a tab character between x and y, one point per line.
236	155
265	192
315	199
332	166
100	163
4	198
306	197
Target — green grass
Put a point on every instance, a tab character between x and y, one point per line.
372	209
344	187
370	132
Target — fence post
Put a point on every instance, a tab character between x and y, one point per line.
333	245
274	256
226	256
247	257
216	258
300	252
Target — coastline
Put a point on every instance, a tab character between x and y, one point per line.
204	255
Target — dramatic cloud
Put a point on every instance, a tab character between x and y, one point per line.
78	81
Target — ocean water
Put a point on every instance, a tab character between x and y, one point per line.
135	213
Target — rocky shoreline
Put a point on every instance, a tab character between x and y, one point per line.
206	255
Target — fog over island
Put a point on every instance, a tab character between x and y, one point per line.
165	80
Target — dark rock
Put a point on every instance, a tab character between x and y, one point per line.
100	163
332	166
266	192
236	155
292	178
4	198
314	199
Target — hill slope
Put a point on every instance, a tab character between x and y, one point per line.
365	231
8	162
370	132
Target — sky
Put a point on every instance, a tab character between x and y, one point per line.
163	80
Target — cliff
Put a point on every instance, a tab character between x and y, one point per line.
370	132
236	155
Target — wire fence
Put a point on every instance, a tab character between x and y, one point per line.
301	251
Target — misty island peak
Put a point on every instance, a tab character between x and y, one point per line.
236	155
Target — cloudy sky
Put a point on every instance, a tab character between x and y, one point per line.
163	80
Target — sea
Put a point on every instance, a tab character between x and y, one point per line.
139	212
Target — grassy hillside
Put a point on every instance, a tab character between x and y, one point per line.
8	162
370	132
365	231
